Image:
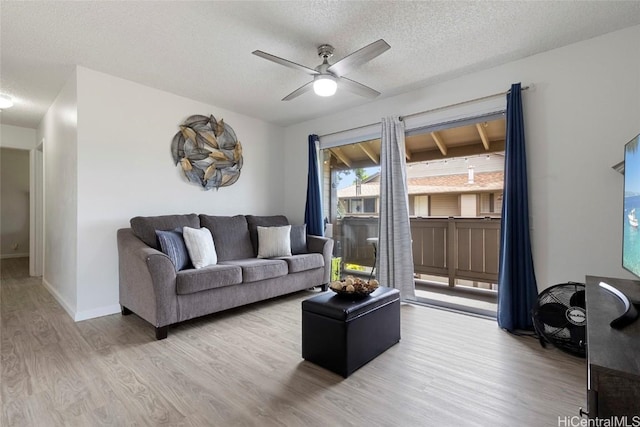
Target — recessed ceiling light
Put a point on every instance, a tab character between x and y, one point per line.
5	102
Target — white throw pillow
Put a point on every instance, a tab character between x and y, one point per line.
200	246
274	241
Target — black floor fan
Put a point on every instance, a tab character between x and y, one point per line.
560	317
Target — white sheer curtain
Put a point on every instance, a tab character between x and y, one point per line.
395	255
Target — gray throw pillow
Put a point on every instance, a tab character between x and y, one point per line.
172	244
299	239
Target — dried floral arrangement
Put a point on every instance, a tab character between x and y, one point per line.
354	285
208	151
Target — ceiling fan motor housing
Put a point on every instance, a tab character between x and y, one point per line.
325	51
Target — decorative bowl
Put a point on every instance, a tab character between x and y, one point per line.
354	294
353	287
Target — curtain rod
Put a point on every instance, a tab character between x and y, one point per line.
482	98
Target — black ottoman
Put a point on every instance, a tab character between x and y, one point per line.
342	335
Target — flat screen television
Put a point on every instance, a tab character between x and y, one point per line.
630	229
631	207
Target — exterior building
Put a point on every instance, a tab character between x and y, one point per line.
436	189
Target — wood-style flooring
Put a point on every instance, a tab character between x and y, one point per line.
243	368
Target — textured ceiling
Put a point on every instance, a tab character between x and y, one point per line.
202	50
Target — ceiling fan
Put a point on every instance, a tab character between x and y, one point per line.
327	76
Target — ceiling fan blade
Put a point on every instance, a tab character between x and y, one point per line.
359	57
306	88
357	88
285	62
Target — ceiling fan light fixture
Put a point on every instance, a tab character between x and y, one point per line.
324	85
5	102
326	75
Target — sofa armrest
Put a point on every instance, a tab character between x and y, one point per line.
324	246
147	280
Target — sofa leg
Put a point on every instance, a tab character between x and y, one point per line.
325	287
161	332
125	311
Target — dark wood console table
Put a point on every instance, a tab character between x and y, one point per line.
613	355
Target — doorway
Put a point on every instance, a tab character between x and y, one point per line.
21	194
14	203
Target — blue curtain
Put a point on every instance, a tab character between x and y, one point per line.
313	208
517	289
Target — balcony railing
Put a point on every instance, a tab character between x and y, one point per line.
455	248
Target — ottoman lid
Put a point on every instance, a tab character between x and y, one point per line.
338	307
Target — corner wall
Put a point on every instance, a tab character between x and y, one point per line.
59	130
125	169
585	105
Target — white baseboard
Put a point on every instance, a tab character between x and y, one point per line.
78	316
67	307
7	256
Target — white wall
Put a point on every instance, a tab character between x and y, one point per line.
14	203
59	130
584	107
125	169
17	137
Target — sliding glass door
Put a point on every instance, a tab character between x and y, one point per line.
454	180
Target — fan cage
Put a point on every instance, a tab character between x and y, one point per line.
560	337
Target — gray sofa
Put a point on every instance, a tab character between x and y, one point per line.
151	287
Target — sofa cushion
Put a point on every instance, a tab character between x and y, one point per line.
173	245
299	239
254	269
303	262
274	241
210	277
230	236
144	227
263	221
200	246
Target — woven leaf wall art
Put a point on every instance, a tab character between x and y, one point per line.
208	152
